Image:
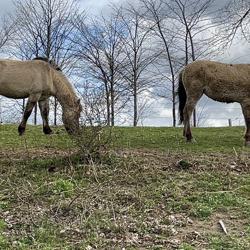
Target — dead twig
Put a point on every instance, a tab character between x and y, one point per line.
223	226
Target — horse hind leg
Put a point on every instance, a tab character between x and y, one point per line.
44	109
32	100
246	112
188	110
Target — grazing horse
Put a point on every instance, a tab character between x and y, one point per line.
37	80
219	81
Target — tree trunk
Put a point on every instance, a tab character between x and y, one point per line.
173	104
23	106
108	110
193	59
170	65
186	48
107	103
194	118
112	104
135	108
35	115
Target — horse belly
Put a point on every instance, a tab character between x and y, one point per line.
13	94
225	95
14	89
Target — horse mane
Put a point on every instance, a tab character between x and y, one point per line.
51	62
65	90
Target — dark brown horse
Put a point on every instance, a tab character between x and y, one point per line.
221	82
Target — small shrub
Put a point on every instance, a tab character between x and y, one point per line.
3	241
93	143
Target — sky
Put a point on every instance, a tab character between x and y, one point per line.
212	113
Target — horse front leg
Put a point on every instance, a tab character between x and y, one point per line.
32	100
246	112
44	108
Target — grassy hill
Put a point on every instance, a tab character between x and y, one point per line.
151	190
160	138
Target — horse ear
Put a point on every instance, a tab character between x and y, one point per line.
79	104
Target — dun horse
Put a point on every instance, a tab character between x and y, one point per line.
221	82
37	80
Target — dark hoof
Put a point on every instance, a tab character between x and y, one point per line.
192	140
47	131
189	137
21	130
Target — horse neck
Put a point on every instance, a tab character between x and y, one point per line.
63	90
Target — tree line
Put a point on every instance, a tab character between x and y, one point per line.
119	59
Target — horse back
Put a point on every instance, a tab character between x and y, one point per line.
18	79
219	81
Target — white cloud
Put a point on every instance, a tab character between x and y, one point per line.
6	6
95	7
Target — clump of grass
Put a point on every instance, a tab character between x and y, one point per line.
2	225
59	186
64	187
186	246
4	244
218	242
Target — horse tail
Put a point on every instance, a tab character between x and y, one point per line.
182	97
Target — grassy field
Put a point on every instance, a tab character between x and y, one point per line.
151	190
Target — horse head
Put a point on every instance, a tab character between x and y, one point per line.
71	116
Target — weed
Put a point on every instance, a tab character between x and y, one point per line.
186	246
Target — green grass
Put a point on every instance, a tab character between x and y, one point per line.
153	191
33	138
207	139
167	138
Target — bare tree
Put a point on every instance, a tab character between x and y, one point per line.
138	54
235	19
98	47
163	28
6	31
94	107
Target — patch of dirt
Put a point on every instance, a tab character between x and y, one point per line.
194	161
195	232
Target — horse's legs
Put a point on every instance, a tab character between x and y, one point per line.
32	100
246	112
44	108
187	112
